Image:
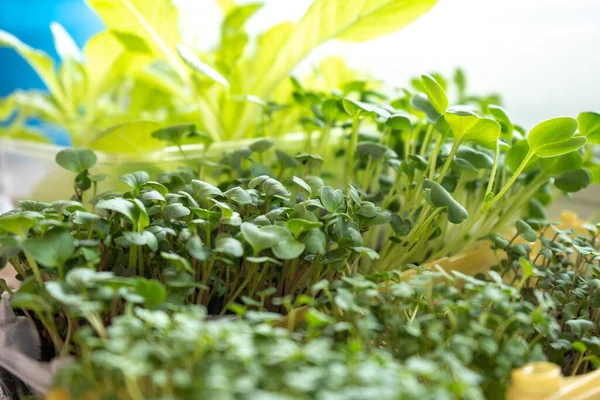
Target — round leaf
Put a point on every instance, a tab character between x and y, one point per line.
76	160
573	181
257	238
550	132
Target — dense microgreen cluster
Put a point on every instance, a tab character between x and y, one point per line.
539	303
564	267
379	183
447	174
151	355
436	335
180	240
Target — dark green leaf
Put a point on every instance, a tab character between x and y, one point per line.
76	160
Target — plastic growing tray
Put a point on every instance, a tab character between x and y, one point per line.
28	169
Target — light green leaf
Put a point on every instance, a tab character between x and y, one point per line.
517	153
589	126
65	46
399	122
298	226
156	21
560	148
136	179
204	189
29	301
460	119
502	117
18	223
258	238
128	137
305	186
106	60
175	210
229	246
226	211
120	205
195	247
528	268
85	277
566	162
435	93
359	109
332	199
53	249
226	5
39	61
288	249
315	241
421	103
238	195
466	125
372	254
159	187
192	61
484	131
549	132
141	239
355	20
67	205
177	133
152	291
178	261
261	145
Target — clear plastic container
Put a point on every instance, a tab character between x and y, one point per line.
28	169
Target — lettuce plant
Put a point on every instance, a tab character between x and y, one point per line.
140	69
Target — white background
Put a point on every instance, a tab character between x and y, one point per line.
543	56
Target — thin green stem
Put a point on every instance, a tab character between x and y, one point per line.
490	185
34	267
351	150
448	161
426	140
434	154
512	180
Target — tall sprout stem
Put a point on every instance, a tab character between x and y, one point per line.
351	151
512	180
490	185
448	161
34	267
434	154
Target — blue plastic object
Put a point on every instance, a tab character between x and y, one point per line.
29	20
